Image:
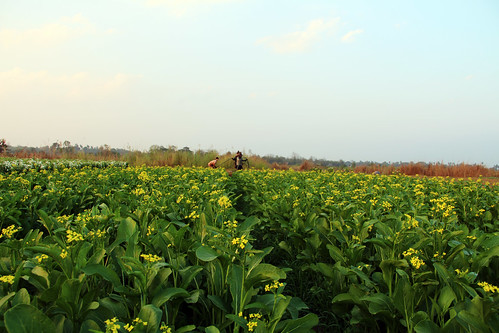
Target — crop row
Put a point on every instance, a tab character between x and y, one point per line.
383	253
137	249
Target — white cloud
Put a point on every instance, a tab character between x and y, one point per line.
49	34
301	40
18	84
181	7
469	77
350	36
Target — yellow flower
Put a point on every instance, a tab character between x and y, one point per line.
7	279
150	257
416	262
224	202
488	287
240	242
165	329
461	273
111	326
64	254
73	236
9	231
274	285
150	230
41	258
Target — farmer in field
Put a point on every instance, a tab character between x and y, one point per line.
213	164
238	160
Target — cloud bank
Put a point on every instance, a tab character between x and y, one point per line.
301	40
350	36
49	34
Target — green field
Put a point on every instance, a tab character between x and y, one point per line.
109	248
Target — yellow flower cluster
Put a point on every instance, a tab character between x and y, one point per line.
240	241
192	215
488	287
64	254
144	176
355	238
97	234
443	205
414	259
139	191
9	231
7	279
437	254
73	236
411	222
416	262
151	257
150	230
224	202
274	285
461	273
136	321
410	252
111	325
253	321
231	225
41	258
63	219
165	329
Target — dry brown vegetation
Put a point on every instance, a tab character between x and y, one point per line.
432	170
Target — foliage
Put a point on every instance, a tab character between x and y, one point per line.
152	249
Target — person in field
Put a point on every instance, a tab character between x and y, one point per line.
238	161
213	163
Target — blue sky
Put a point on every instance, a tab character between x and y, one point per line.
352	80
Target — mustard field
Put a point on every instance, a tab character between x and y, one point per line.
109	248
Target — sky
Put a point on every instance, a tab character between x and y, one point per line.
383	81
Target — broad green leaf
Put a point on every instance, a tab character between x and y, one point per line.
104	272
263	273
188	274
126	229
238	320
6	298
303	324
219	303
22	297
469	320
184	329
257	258
446	297
426	326
168	293
295	306
211	329
25	318
152	315
206	253
336	253
236	286
379	302
278	310
248	224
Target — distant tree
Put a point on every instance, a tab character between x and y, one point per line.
3	146
55	146
156	148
